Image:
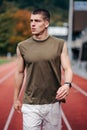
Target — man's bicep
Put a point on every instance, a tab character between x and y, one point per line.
20	62
65	61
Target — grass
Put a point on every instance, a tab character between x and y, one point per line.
4	60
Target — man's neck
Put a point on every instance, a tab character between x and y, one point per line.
40	39
41	36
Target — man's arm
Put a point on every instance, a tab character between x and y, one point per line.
63	91
19	77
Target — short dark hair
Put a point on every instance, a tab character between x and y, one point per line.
43	12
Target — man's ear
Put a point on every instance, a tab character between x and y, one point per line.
46	24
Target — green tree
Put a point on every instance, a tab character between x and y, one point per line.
14	27
6	25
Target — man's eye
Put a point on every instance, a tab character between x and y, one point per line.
31	20
37	20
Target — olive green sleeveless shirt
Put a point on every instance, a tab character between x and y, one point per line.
43	69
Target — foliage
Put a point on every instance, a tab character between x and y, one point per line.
22	27
6	24
22	19
13	29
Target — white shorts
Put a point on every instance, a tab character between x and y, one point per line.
47	117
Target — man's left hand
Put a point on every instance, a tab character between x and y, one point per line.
62	92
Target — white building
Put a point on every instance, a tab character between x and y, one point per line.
58	31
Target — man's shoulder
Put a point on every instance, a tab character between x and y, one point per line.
57	40
29	40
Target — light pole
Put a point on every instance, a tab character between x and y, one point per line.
70	25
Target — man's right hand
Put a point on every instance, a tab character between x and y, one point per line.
17	105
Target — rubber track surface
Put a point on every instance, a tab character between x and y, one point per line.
75	108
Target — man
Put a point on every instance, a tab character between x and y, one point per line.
42	56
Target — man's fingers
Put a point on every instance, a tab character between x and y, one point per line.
18	109
61	93
17	106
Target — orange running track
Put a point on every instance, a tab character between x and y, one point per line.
74	115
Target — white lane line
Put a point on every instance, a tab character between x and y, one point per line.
5	77
65	120
12	111
9	118
78	88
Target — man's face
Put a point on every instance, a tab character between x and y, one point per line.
38	24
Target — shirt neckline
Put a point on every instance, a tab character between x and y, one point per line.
41	40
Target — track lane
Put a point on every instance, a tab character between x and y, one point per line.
5	69
6	100
81	82
74	109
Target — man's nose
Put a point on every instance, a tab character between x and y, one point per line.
33	23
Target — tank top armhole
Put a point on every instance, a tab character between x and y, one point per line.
62	46
18	46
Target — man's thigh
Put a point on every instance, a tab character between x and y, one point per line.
31	118
53	119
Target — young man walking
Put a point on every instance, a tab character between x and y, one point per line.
42	56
